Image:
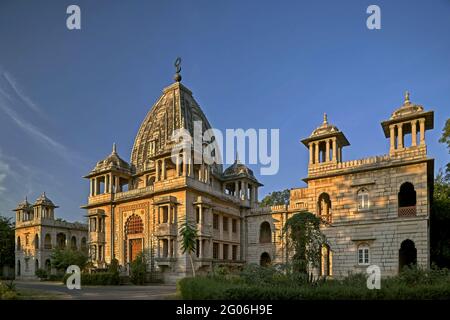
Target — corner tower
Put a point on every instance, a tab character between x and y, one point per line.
409	118
325	144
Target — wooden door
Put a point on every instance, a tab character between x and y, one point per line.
135	248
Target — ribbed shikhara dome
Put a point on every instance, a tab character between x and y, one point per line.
175	109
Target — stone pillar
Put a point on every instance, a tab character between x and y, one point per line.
200	216
334	149
117	179
95	186
90	187
177	164
185	160
327	151
311	146
392	137
400	136
107	183
163	173
200	248
422	131
413	133
316	152
157	170
236	189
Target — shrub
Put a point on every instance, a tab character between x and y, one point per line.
41	274
8	291
138	270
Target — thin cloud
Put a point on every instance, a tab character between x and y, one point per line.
19	93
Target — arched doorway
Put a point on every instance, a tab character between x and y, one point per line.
36	265
18	268
134	228
73	243
265	233
265	260
407	255
48	266
61	240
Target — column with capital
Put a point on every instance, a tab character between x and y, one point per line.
392	137
316	151
400	136
311	146
334	149
327	151
414	133
422	131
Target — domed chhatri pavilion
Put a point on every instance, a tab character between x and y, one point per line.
375	210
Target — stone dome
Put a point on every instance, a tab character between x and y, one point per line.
24	205
175	109
238	170
44	201
112	162
407	109
324	129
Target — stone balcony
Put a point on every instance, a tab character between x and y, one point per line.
165	261
204	230
407	211
166	229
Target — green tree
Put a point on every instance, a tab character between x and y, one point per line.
7	255
440	211
188	234
63	258
276	198
306	240
138	269
445	138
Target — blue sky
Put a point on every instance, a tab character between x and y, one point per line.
66	96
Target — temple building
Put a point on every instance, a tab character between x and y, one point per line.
375	210
37	233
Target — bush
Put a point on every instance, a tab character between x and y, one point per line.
138	270
8	291
41	274
265	284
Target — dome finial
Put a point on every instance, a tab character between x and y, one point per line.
325	118
406	98
177	64
114	150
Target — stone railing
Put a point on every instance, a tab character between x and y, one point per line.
410	153
134	193
407	211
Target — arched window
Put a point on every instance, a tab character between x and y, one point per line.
48	266
47	241
36	265
407	200
93	252
325	267
363	199
83	243
265	260
407	195
36	242
73	243
61	240
19	246
324	206
134	225
265	233
363	254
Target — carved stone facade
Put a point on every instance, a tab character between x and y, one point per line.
376	210
37	233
